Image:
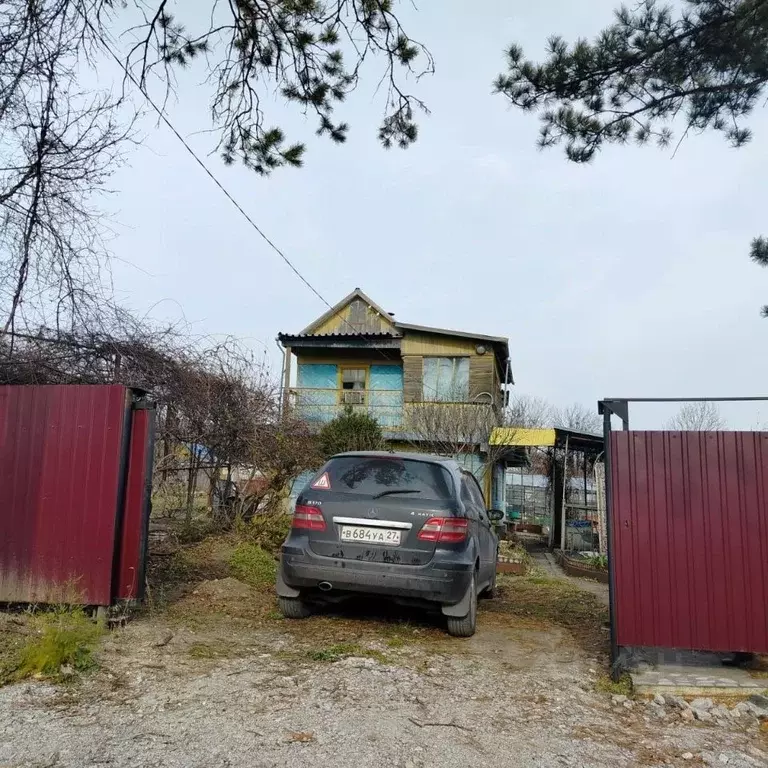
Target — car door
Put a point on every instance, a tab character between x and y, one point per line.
487	536
470	496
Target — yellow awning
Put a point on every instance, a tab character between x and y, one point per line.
522	436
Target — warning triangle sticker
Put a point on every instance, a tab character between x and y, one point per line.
323	483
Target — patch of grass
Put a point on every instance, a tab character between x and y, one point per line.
517	553
195	530
201	651
344	650
598	562
396	642
11	645
543	580
274	616
207	651
62	643
555	601
253	565
622	686
267	529
208	559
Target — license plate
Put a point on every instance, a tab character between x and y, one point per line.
387	536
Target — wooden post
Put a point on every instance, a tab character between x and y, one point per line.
286	379
565	488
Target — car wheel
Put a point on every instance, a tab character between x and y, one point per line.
465	625
293	607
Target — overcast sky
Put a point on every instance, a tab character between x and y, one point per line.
626	277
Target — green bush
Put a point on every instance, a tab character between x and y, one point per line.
197	529
253	565
267	529
352	431
599	562
65	637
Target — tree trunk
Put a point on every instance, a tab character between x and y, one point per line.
191	485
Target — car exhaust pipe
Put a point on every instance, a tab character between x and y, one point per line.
325	586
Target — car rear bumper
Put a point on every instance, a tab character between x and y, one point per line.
439	581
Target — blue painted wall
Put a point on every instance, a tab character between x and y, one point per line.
318	391
385	399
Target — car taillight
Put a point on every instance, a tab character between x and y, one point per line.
444	529
310	518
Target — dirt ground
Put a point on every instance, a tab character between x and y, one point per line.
211	676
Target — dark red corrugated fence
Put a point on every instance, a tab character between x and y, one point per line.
67	457
132	550
689	539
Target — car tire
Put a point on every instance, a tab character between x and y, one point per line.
293	607
465	626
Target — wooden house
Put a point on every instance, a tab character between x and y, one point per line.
429	388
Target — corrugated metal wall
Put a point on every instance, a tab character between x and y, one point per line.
64	459
132	544
689	539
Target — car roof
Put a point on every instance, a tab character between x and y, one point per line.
444	460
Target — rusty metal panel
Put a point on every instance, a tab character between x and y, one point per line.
61	470
132	544
689	539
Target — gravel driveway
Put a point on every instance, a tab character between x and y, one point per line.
212	685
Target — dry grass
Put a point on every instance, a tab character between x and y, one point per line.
54	644
301	737
200	590
543	600
606	684
14	633
340	651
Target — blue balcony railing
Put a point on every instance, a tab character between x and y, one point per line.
323	405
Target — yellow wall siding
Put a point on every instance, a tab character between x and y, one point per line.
434	344
341	323
413	371
481	377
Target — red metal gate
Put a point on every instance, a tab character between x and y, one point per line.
70	518
689	540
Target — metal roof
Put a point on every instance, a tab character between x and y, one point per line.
449	332
356	335
500	343
336	308
547	437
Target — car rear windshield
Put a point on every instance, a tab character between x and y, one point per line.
372	475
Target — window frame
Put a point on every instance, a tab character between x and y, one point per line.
468	504
353	367
433	397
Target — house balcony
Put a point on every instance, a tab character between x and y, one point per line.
319	406
429	420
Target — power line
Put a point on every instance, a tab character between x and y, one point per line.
221	187
213	178
207	170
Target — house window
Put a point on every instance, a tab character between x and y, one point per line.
446	379
353	386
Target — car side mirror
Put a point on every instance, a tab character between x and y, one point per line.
495	515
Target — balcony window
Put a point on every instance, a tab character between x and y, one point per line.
353	386
446	379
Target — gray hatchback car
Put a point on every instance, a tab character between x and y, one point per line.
406	526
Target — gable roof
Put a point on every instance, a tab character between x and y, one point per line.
500	344
337	308
449	332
